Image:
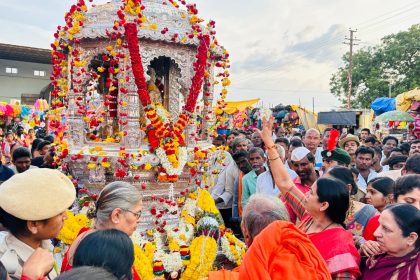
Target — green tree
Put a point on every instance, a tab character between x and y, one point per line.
395	60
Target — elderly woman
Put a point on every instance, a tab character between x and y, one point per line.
33	206
321	212
118	206
398	238
407	190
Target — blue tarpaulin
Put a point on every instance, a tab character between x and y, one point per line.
383	104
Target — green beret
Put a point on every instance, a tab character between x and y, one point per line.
338	154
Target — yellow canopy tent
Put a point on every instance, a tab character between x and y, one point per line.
404	100
308	118
234	106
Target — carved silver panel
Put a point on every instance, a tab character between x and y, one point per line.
101	18
183	57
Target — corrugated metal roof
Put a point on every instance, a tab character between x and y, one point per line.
23	53
337	118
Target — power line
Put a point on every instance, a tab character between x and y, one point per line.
335	39
278	90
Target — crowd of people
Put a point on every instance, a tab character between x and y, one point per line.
312	205
24	148
336	189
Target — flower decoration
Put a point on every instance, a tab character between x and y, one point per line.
71	227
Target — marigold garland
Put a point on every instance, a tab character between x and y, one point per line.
203	253
143	260
71	227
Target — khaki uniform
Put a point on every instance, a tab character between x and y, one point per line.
14	253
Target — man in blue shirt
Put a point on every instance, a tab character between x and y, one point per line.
256	158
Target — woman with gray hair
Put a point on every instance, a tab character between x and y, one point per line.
118	206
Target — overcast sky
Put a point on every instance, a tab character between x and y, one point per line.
281	51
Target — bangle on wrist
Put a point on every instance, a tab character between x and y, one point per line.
273	159
271	147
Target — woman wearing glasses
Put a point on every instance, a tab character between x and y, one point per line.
118	206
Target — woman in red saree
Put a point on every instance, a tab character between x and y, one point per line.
398	238
321	212
118	206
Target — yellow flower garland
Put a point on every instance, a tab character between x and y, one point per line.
71	227
203	251
143	260
206	203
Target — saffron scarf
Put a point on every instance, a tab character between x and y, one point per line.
399	268
281	251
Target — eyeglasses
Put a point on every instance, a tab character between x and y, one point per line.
137	215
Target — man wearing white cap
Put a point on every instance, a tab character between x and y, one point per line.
33	208
303	162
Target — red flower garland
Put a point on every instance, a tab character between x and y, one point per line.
197	80
157	128
130	31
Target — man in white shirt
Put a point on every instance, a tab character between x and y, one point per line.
364	160
312	140
223	190
265	182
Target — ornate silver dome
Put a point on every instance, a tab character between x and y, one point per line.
101	18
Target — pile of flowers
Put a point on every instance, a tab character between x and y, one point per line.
185	250
188	249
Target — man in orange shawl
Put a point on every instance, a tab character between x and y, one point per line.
281	251
277	249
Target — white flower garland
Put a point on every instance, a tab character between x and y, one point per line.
190	206
184	229
138	239
163	114
208	222
170	169
171	261
225	245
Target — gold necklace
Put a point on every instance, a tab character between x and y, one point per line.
312	222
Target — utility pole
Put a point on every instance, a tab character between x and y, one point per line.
313	104
350	41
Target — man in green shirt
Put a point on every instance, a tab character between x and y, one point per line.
256	157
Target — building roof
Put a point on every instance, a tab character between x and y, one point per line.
27	54
337	118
